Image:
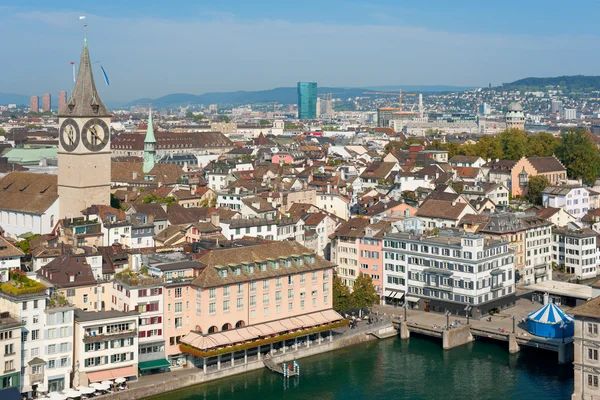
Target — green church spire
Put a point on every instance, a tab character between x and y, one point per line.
149	146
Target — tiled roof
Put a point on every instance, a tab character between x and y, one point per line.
223	258
8	250
62	269
132	172
378	170
546	164
28	192
441	209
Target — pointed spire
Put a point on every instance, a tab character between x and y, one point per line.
85	100
150	131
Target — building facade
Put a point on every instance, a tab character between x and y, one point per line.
575	251
448	273
10	351
307	100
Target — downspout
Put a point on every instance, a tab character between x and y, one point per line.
582	363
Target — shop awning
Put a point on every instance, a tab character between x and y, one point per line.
111	374
153	364
412	299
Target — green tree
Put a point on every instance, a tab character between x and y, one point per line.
489	147
579	155
543	144
114	202
453	149
514	144
199	117
458	187
364	294
341	295
156	199
393	145
2	132
25	244
535	186
265	122
223	118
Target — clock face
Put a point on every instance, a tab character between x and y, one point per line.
95	134
69	135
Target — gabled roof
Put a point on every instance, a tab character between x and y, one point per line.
68	271
546	164
378	170
28	192
441	209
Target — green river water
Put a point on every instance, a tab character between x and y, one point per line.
393	369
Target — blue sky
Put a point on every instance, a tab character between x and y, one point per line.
151	48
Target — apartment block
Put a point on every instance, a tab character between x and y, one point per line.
576	252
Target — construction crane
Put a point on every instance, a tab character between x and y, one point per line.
394	94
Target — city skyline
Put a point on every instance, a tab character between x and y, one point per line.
160	50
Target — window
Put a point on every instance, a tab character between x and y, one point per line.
301	303
178	292
265	299
265	284
178	322
252	301
35	334
24	305
240	288
240	303
212	293
51	349
278	309
593	380
290	306
278	296
36	369
178	307
35	304
226	291
9	349
266	311
212	308
592	329
593	354
9	365
226	306
252	286
51	364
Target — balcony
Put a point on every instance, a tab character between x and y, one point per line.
497	286
435	286
93	338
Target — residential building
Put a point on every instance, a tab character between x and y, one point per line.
106	346
34	104
62	99
496	192
575	200
586	345
10	351
576	252
443	214
448	273
466	161
144	294
334	203
58	344
46	102
10	259
307	100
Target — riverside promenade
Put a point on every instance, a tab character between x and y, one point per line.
159	384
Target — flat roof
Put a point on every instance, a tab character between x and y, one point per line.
563	289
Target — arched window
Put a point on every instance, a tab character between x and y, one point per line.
226	327
213	329
240	324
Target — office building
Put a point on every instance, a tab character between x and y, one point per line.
484	109
34	104
448	273
46	102
307	100
556	106
62	99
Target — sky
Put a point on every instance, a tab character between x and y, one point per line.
152	48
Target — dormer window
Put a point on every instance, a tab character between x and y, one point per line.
273	264
298	260
222	272
287	262
262	266
237	271
95	108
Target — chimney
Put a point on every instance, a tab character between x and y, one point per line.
453	203
215	219
497	159
134	175
328	188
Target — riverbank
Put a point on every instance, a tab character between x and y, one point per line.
152	385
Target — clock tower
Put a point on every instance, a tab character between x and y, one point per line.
84	155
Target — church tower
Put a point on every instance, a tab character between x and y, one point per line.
84	155
149	146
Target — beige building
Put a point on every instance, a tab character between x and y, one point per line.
10	351
586	383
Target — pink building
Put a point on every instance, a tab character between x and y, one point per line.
282	158
257	293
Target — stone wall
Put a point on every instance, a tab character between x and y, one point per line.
457	337
178	382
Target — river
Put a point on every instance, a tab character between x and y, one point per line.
392	369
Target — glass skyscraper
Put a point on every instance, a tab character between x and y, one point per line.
307	100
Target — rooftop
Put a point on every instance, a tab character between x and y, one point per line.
86	316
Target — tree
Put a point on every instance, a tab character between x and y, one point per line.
514	144
543	144
197	118
264	122
25	245
364	294
2	132
223	118
579	155
535	186
155	199
341	295
393	145
458	187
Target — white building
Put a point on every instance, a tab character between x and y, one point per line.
58	346
28	203
573	199
576	251
448	273
335	204
106	346
586	346
10	259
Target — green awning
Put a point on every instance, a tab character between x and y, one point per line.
148	365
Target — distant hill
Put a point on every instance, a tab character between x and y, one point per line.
573	83
282	95
11	98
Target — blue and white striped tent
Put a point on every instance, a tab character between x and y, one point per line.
547	322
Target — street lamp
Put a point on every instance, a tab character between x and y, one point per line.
468	311
513	318
405	311
447	314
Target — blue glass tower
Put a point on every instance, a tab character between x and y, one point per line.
307	100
